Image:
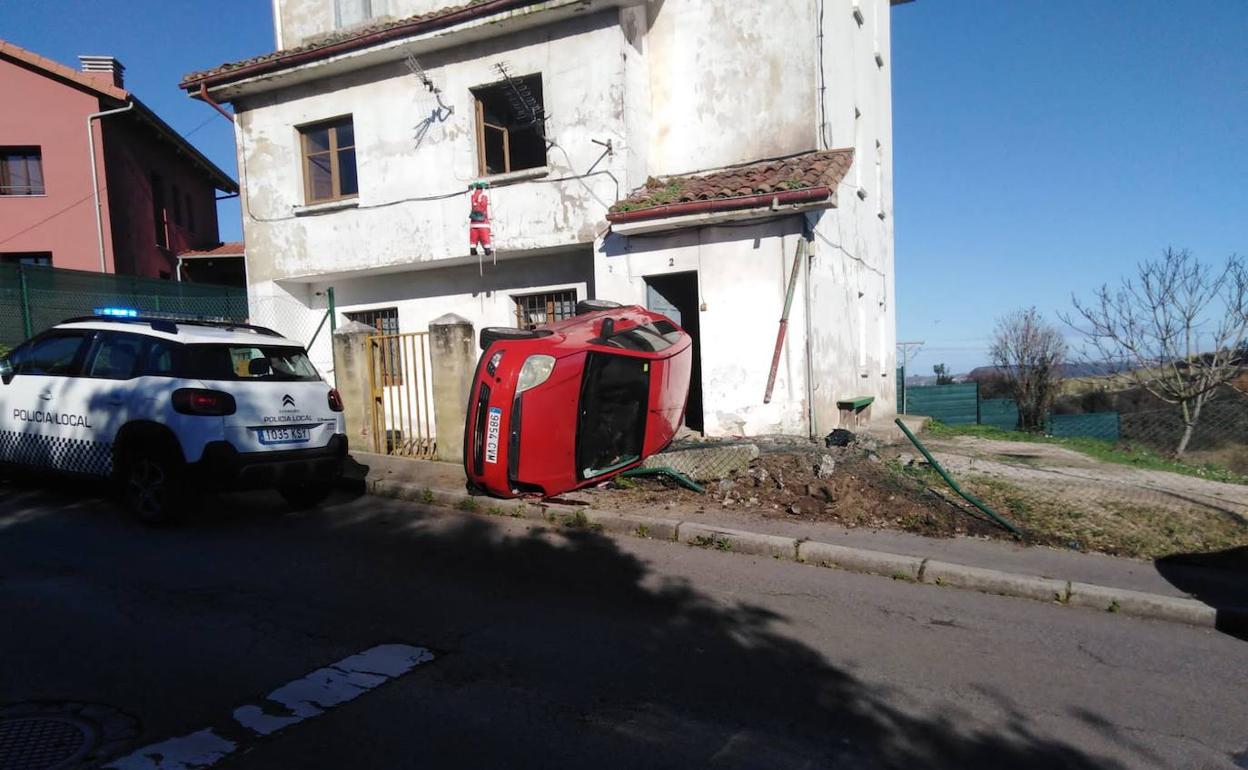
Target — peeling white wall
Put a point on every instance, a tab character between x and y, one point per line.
581	65
852	271
730	82
676	86
743	275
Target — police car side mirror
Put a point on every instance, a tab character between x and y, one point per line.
6	370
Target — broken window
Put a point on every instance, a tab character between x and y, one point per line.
615	396
329	160
510	126
533	310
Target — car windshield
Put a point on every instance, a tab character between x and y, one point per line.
249	362
615	395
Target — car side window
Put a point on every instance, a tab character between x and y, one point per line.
58	355
159	359
115	356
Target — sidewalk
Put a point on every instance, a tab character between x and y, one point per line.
1217	588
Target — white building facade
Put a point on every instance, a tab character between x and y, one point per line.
673	154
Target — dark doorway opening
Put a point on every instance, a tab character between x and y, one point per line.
675	295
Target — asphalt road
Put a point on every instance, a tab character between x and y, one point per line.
572	650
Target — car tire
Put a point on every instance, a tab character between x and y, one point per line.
153	487
304	496
492	334
594	305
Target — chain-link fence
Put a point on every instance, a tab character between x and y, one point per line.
309	326
34	298
1219	439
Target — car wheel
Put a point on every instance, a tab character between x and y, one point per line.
492	334
305	496
594	305
153	487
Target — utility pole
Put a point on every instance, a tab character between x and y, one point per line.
908	350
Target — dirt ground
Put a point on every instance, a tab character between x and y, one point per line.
1071	499
1060	497
861	490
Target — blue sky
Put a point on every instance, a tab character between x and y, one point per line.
1040	146
1046	146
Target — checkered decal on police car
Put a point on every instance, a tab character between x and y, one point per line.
64	454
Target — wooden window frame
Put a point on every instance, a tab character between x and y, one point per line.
335	176
481	126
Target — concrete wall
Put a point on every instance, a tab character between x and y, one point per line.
133	152
402	162
729	82
852	268
52	116
742	278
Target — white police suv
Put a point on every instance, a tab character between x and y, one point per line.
169	408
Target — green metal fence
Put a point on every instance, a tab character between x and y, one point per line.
999	413
34	298
951	404
1103	425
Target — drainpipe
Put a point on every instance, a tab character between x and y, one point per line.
95	180
810	361
203	94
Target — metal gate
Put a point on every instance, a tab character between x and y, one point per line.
403	423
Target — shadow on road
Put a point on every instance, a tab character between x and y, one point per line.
1219	579
653	665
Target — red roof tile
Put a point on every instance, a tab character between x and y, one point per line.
231	249
339	42
799	172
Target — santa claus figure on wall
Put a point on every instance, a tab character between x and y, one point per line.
479	220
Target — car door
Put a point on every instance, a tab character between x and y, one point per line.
109	373
35	429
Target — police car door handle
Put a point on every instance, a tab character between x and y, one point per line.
46	395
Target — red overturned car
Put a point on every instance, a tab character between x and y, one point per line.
574	402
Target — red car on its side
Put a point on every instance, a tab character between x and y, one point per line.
574	402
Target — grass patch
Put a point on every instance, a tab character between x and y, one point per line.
1109	525
1121	453
623	482
579	520
426	496
718	543
469	505
643	530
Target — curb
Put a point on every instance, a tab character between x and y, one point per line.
899	567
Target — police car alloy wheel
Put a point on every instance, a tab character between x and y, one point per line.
153	488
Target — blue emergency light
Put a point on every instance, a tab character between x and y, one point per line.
118	312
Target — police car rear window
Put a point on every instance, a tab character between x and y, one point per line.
265	363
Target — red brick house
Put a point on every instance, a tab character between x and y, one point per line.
119	192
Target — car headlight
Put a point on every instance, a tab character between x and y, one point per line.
535	371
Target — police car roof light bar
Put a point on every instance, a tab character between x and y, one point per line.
169	323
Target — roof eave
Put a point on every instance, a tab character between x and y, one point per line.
221	180
486	19
675	216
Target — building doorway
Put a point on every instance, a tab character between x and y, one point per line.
675	295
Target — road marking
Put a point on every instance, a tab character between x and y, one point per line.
304	698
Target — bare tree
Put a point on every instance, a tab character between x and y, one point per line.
1029	353
1177	330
